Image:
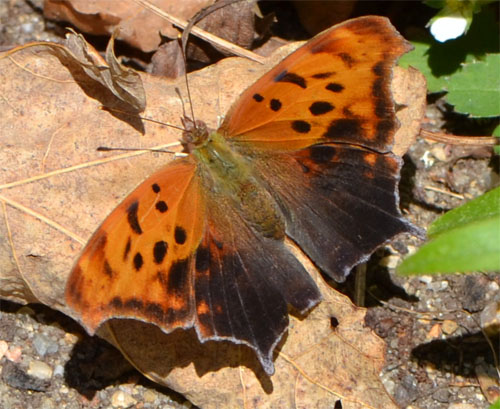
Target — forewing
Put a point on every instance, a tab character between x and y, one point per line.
336	88
138	264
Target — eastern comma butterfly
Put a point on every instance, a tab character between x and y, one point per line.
305	153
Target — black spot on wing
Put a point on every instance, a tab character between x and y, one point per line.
285	76
107	269
180	235
178	277
133	304
301	126
126	251
344	128
160	251
138	261
384	129
258	97
202	258
132	217
275	105
321	108
155	187
379	69
161	206
347	59
116	302
155	312
322	75
334	87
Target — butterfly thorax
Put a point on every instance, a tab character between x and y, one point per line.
227	174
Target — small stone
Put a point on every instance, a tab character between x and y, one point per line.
27	28
442	395
391	261
425	279
14	354
14	376
449	327
59	371
47	403
44	346
439	153
150	396
40	370
122	399
4	347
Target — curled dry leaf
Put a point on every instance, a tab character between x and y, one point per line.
56	188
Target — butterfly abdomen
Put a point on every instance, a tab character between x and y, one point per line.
230	175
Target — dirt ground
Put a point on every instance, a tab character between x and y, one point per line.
435	347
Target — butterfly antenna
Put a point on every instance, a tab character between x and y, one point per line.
187	83
109	149
141	117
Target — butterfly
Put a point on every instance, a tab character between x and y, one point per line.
304	153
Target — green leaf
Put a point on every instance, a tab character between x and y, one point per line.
496	132
471	247
485	206
475	90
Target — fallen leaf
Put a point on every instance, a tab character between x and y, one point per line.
56	188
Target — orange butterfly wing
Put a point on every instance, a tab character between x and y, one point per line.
335	88
319	128
138	263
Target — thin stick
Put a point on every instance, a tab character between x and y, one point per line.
460	140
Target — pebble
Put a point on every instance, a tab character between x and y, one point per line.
39	370
391	261
14	354
59	371
44	346
121	399
449	327
47	403
150	396
27	28
4	347
442	395
425	279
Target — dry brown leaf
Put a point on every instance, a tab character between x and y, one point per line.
55	189
138	26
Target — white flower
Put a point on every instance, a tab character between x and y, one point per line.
447	28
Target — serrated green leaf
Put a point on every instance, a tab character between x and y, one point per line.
485	206
471	247
475	90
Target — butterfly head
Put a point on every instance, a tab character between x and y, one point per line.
195	134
